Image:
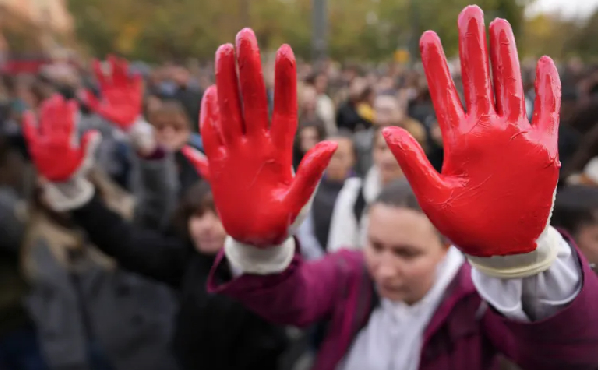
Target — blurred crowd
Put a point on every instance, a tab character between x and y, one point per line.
94	289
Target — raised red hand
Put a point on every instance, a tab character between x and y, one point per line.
121	94
250	162
52	142
496	190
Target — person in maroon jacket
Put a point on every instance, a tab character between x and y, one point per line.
408	301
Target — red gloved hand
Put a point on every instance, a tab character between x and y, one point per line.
121	94
496	190
250	163
53	146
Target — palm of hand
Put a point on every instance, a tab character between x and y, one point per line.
52	144
249	162
495	193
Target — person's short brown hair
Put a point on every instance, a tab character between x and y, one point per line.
171	108
399	194
197	200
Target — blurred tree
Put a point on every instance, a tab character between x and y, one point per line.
549	34
156	30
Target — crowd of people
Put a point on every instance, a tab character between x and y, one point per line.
109	271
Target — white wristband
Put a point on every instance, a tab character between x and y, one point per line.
70	195
141	134
262	261
525	264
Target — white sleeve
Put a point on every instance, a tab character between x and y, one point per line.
343	232
538	296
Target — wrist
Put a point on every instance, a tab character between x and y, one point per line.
524	264
68	195
263	261
142	137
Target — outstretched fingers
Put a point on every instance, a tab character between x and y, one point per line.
213	135
446	102
30	130
285	105
472	43
101	77
547	100
510	102
309	174
414	163
254	92
198	160
228	94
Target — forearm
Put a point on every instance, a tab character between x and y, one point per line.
140	250
277	284
155	189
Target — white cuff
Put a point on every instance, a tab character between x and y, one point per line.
141	134
535	297
70	195
261	261
525	264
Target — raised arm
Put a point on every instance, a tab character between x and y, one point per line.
495	195
154	182
259	200
63	161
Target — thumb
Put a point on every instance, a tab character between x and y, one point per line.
90	99
89	144
309	174
419	172
29	128
198	160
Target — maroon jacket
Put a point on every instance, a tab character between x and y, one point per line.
463	334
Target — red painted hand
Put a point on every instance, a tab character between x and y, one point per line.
250	162
121	94
496	190
52	144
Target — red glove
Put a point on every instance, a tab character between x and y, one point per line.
121	94
53	146
496	190
250	163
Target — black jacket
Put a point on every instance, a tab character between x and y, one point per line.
212	331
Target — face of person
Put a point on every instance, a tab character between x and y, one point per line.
402	253
309	137
309	99
385	161
587	240
321	84
386	111
172	132
207	233
342	160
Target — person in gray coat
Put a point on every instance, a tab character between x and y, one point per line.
90	314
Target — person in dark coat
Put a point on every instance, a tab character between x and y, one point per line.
211	331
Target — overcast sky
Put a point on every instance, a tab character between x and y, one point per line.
570	8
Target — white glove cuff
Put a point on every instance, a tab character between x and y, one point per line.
70	195
525	264
261	261
141	134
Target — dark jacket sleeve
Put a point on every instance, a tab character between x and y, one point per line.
144	251
302	294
